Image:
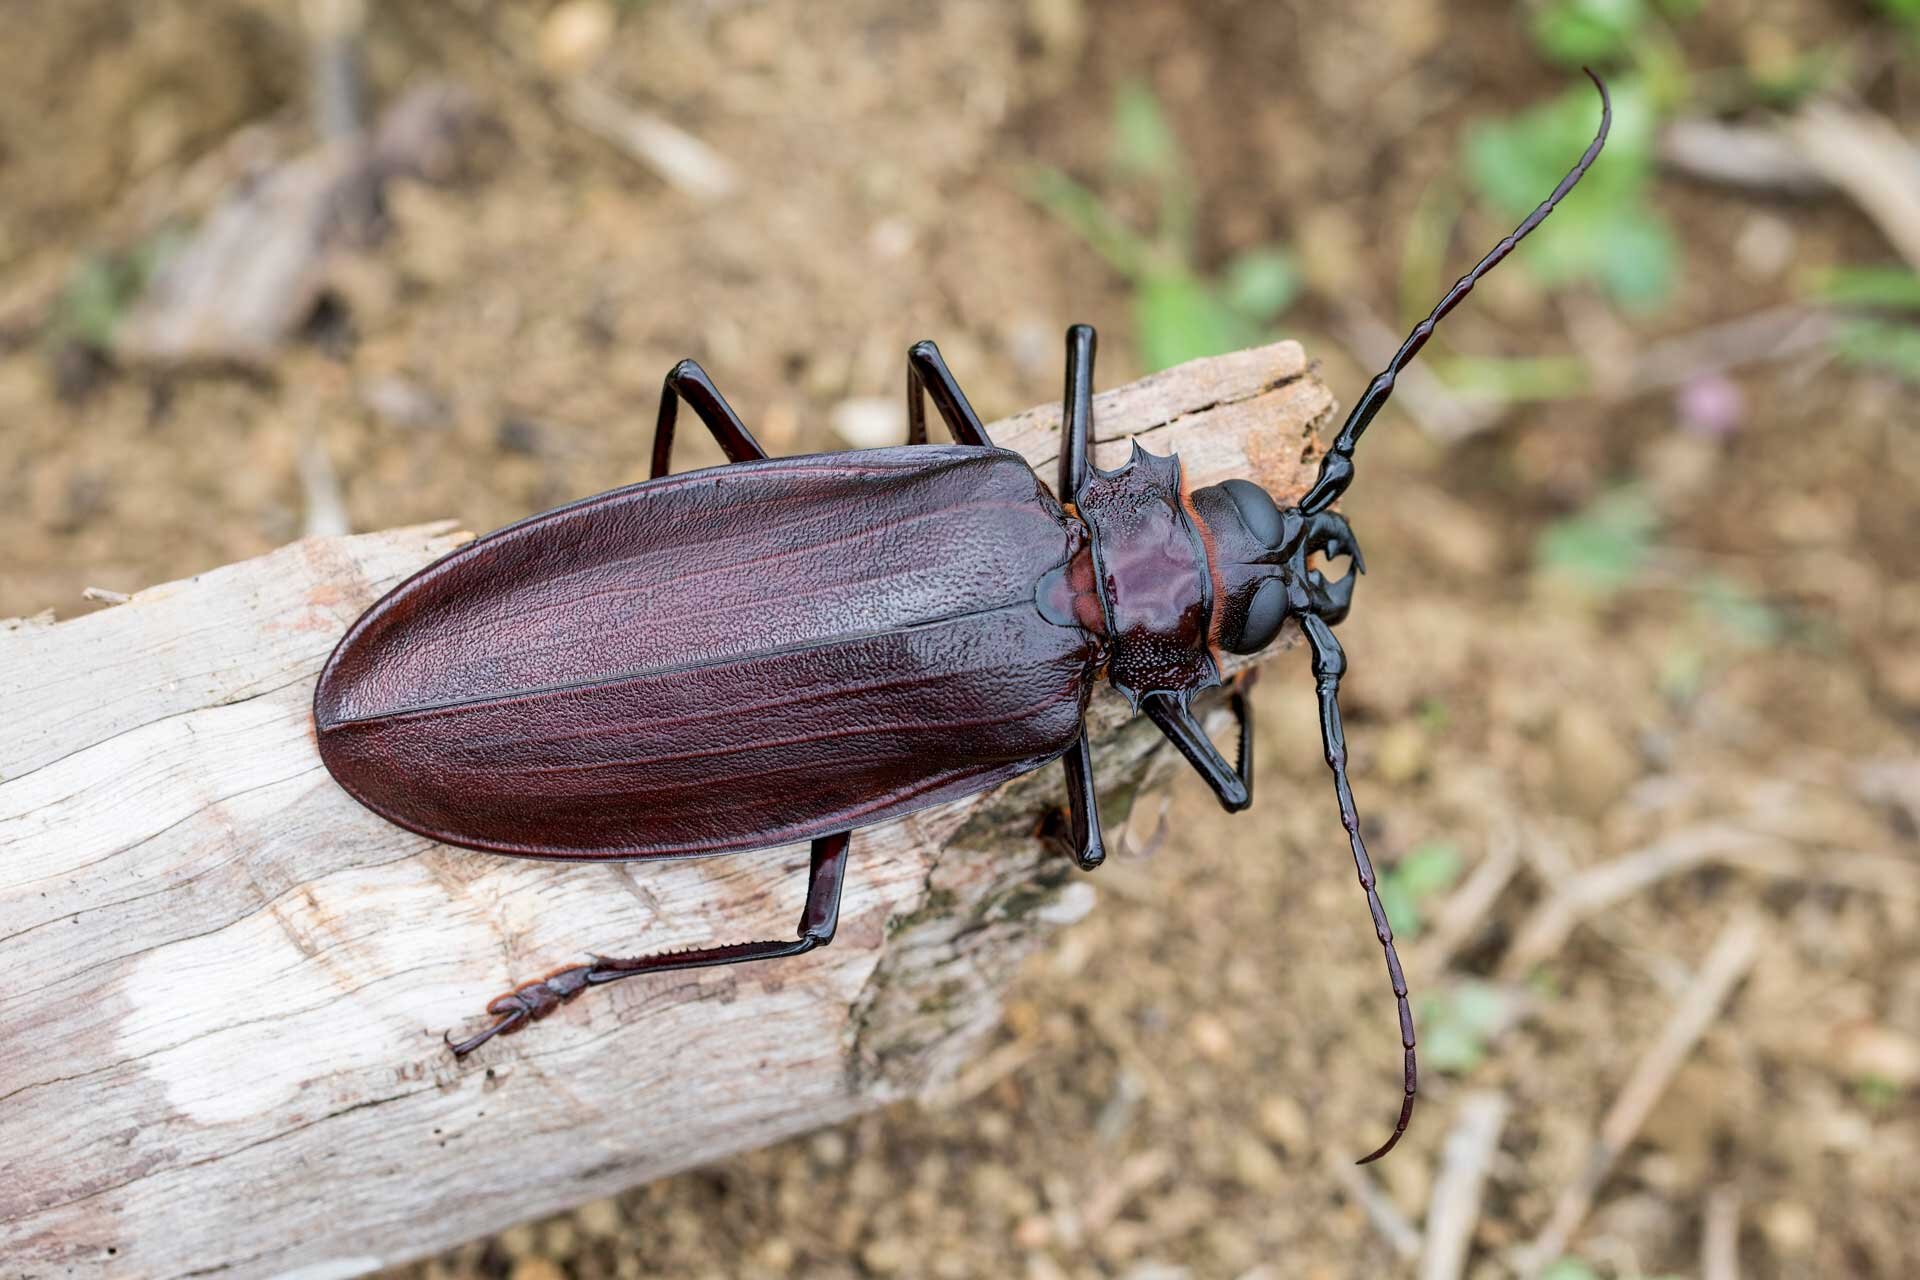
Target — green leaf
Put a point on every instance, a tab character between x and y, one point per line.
1144	144
1638	258
1683	669
90	306
1604	230
1450	1048
1748	619
1429	869
1877	1094
1403	911
1569	1269
1880	344
1261	283
105	286
1894	288
1456	1027
1178	317
1577	32
1082	211
1605	545
1515	378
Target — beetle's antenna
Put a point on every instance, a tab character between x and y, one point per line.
1336	468
1329	664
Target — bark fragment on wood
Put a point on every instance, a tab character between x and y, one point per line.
220	1041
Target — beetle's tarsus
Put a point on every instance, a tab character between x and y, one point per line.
530	1002
510	1022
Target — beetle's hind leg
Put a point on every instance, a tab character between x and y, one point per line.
533	1001
688	381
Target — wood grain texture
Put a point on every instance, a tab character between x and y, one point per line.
220	1041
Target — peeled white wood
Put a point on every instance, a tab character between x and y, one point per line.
226	982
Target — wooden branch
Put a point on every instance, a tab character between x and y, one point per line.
220	1035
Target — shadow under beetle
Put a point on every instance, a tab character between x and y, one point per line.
784	649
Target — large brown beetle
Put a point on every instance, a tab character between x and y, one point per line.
784	649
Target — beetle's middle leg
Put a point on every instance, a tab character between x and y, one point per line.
1085	841
688	381
535	1000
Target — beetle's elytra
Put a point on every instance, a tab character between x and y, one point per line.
787	649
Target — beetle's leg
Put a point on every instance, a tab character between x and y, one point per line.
689	381
1233	784
928	375
1076	428
535	1000
1089	848
1329	664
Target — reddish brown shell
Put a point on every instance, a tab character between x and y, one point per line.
718	660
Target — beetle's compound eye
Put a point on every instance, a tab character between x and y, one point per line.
1265	612
1256	509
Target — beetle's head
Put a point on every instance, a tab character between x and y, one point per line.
1261	555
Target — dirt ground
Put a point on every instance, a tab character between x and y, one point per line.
1181	1081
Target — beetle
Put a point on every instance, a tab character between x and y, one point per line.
785	649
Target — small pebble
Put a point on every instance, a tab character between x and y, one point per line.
1402	754
887	1255
1592	764
1868	1051
520	1241
1211	1037
600	1218
870	422
1284	1120
775	1253
829	1147
1789	1227
574	35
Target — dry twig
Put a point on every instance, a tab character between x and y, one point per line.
1751	157
1379	1207
1588	893
1732	954
1594	890
1866	157
1460	915
678	158
1720	1235
1453	1210
1439	410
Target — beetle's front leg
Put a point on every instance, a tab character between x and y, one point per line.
1233	784
1076	419
533	1001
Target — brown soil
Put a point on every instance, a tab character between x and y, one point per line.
1183	1070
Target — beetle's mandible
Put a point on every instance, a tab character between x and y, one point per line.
784	649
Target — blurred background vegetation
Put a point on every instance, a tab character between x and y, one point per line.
1636	670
